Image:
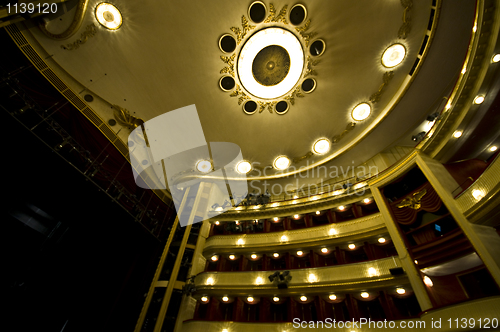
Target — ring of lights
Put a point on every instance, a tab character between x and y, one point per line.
259	41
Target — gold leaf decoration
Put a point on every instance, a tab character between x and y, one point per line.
385	79
123	117
310	64
229	60
295	93
307	155
240	94
90	31
241	33
413	202
306	35
269	105
273	18
406	27
337	138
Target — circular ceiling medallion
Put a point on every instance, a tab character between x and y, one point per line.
271	65
361	112
321	146
271	60
393	55
108	16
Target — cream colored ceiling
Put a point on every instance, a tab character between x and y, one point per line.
166	56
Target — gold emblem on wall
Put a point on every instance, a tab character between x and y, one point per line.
413	202
123	117
90	31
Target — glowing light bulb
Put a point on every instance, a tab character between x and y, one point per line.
276	255
253	256
332	297
381	240
324	250
303	298
276	299
428	282
250	299
225	299
400	291
300	253
365	295
204	299
232	257
352	246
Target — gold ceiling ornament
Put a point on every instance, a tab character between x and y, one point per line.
229	60
349	127
237	92
123	117
268	104
385	79
414	201
306	35
273	18
90	31
295	93
406	27
74	26
310	64
307	155
241	33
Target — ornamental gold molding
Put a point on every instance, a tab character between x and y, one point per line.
123	117
268	104
90	31
273	18
306	35
74	26
385	79
241	33
310	64
295	93
242	96
406	27
413	202
229	60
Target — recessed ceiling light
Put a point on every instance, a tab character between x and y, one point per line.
352	246
416	262
278	38
312	278
303	298
321	146
317	212
365	295
276	255
276	219
332	297
478	194
496	58
457	134
281	163
361	112
381	240
232	257
259	281
284	238
493	148
237	222
400	291
300	253
276	299
210	281
367	200
393	55
478	100
341	208
225	299
250	299
253	256
243	167
108	16
217	223
204	166
332	231
204	299
428	281
215	258
324	250
240	242
372	271
296	216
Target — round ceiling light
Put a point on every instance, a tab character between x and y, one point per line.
321	146
496	58
108	16
393	55
204	166
281	163
478	100
270	63
365	295
332	297
457	134
493	148
361	112
243	167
